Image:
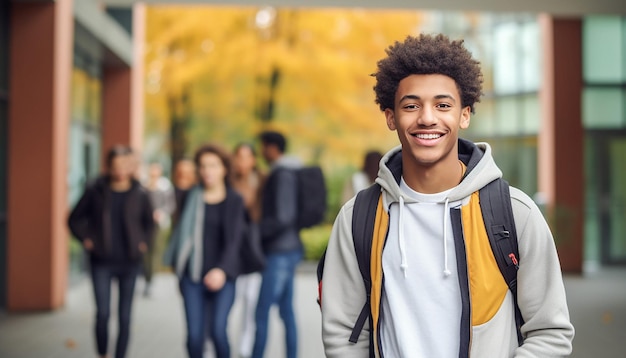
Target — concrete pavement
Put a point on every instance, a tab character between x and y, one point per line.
157	330
597	302
597	305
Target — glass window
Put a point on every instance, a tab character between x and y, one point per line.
507	119
592	198
94	103
617	207
84	136
517	158
79	95
485	48
605	173
604	48
603	107
483	122
530	113
506	68
84	154
517	59
517	77
530	57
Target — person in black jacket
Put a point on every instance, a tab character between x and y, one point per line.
204	252
280	236
113	220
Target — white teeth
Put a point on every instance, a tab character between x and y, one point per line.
428	136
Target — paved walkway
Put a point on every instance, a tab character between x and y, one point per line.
157	331
597	305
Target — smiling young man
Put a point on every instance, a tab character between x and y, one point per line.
436	289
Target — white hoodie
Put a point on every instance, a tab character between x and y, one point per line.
419	257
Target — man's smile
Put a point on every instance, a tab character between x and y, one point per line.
427	135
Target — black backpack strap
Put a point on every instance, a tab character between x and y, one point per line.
320	274
363	220
495	203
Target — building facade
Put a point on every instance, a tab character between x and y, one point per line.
69	86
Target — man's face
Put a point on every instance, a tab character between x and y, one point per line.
427	117
268	151
185	174
121	168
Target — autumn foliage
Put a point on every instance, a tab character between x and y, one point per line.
223	74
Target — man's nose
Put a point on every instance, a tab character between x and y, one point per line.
427	117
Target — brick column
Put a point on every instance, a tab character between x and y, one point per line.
116	106
561	139
122	114
37	236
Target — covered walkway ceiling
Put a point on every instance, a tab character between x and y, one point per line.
554	7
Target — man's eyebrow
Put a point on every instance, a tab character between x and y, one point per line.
410	96
416	97
445	96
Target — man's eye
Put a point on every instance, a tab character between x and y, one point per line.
443	105
411	106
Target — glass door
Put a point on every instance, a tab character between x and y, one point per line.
614	246
606	179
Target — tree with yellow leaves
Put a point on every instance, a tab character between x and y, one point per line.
223	74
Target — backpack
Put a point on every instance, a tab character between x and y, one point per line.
495	204
311	196
251	256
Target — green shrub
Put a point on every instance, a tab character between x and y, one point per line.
315	240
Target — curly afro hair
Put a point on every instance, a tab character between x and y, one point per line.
428	54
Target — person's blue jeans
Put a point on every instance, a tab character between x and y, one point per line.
102	274
277	287
206	310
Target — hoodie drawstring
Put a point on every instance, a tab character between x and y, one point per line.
401	242
446	271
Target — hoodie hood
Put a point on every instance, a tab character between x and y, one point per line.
481	170
287	161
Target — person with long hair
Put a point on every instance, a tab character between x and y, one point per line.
247	180
183	179
204	252
113	221
364	177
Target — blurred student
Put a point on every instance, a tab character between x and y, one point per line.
184	178
113	220
204	252
281	243
364	177
247	181
161	195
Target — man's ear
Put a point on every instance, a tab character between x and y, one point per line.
389	116
466	114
